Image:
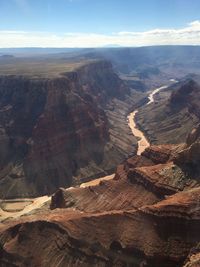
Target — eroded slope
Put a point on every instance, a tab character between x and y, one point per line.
148	215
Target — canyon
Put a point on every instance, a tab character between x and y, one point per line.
173	115
128	192
64	130
18	207
148	214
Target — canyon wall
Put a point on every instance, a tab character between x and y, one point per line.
56	131
173	114
148	215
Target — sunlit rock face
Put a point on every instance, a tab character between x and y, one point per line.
147	215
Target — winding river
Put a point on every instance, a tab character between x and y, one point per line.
142	140
17	208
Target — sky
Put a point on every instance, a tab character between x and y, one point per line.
98	23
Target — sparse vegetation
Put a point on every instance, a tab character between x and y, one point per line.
39	68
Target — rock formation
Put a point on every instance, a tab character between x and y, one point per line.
189	157
54	131
148	215
174	113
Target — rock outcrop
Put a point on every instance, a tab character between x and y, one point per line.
56	131
148	215
174	113
189	157
187	95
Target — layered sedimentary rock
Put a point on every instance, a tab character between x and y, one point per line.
189	157
54	131
148	215
187	96
131	238
174	113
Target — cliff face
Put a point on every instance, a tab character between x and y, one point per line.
189	157
148	215
71	131
187	96
52	129
174	113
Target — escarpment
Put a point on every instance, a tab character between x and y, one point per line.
57	130
174	113
148	215
187	95
189	157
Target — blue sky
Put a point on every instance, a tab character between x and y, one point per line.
69	23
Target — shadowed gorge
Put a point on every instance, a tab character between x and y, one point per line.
174	113
57	131
99	133
99	159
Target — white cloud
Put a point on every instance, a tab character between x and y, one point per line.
195	23
189	35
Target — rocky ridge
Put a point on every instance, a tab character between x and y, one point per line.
148	215
174	113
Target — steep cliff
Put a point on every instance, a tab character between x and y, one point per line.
148	215
56	130
174	113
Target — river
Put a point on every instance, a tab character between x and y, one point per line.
12	208
143	143
142	140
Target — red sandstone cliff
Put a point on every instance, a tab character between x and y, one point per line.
148	215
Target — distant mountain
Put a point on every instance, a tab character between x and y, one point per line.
153	65
112	46
6	56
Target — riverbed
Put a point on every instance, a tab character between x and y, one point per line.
143	143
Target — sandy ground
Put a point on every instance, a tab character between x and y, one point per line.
35	204
28	205
12	206
97	181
